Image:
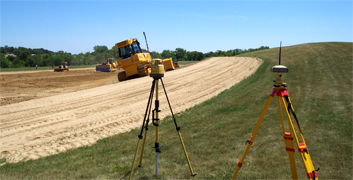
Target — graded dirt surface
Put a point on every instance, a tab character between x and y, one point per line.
46	113
26	85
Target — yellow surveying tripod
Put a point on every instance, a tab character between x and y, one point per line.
157	72
280	90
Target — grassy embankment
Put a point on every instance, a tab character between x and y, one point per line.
320	86
182	63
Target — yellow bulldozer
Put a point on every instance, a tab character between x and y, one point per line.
176	63
63	67
134	61
108	65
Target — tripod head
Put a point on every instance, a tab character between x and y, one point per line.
157	69
279	69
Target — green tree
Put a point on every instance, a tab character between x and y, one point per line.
56	59
17	62
77	59
168	54
114	52
30	62
24	55
100	49
180	54
11	58
156	55
3	50
209	54
199	56
4	63
67	57
46	60
86	58
98	58
38	59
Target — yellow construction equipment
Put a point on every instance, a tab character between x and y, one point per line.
134	61
176	63
108	65
62	67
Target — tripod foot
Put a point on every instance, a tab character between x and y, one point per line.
194	174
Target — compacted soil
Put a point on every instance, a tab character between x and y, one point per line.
46	112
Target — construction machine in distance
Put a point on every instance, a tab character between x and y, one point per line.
134	61
63	67
108	65
176	63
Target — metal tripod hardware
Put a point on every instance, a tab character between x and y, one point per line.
280	91
155	122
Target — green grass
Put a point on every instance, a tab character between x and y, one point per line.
214	132
41	68
186	62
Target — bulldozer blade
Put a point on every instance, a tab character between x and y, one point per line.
168	64
103	69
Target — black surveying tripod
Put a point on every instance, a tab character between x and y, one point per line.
157	74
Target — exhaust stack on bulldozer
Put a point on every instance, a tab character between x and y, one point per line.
136	62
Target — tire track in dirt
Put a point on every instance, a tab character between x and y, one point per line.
50	125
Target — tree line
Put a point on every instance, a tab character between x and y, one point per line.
12	57
184	55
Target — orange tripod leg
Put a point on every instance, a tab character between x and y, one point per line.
251	140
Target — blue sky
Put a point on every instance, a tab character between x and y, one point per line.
77	26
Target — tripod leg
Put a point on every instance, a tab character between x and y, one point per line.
186	154
133	164
146	127
143	124
288	139
251	140
303	149
143	147
178	130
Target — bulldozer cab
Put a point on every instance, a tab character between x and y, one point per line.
110	60
64	64
128	47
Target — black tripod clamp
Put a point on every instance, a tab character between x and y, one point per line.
176	125
156	109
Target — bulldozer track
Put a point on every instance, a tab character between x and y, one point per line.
52	124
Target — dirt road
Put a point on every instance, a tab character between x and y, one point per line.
82	109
